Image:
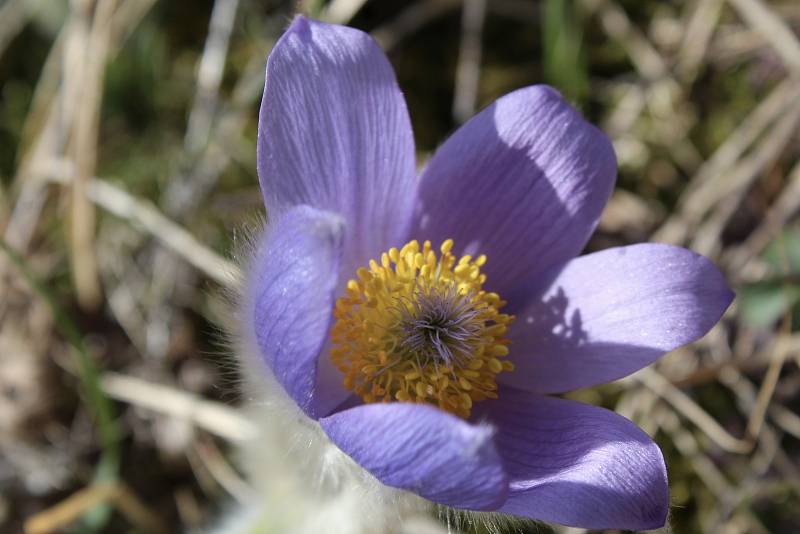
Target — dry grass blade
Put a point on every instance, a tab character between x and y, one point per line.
689	447
779	356
662	94
468	70
84	141
696	38
146	215
13	16
209	75
222	471
693	412
703	190
728	196
786	419
411	19
60	516
773	28
186	189
787	205
341	11
645	57
213	417
53	104
170	234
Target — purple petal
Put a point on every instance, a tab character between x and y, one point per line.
334	133
523	182
289	297
613	312
576	464
424	450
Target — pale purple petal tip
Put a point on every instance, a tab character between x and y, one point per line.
334	133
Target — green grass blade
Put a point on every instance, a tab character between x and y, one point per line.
564	63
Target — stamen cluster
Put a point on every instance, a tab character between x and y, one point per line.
419	328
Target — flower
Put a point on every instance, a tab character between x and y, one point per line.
459	294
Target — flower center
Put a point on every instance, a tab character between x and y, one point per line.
420	328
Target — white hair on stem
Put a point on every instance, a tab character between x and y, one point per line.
303	483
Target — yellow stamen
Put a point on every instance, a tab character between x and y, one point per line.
415	327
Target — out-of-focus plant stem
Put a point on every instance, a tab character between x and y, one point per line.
564	62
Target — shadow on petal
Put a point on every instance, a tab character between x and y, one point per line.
576	464
582	505
610	313
523	182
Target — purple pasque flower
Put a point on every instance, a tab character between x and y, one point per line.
348	309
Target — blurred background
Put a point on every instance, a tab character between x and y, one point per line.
127	171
